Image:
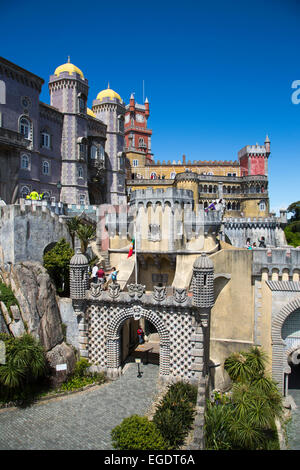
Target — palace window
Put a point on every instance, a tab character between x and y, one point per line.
45	168
262	206
25	191
101	152
80	172
94	152
82	199
135	163
25	128
2	92
45	140
173	174
81	103
25	162
142	142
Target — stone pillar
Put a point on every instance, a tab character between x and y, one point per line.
79	283
203	300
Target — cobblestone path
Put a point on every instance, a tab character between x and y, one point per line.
81	421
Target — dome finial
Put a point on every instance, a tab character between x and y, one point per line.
68	59
108	85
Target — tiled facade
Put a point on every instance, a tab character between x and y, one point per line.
63	150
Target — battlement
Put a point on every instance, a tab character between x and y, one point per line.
282	259
252	150
149	195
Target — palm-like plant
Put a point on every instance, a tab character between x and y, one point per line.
85	233
25	362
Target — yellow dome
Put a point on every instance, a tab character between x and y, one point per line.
90	112
108	93
68	67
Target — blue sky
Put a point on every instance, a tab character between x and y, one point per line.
217	74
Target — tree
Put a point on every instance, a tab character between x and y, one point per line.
25	363
57	263
292	230
73	225
247	421
294	208
85	233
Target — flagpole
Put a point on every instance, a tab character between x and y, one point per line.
135	249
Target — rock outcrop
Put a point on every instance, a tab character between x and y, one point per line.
37	312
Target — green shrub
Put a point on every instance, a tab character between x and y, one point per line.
57	263
25	365
137	433
7	296
81	377
174	415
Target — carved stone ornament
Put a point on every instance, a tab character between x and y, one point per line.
137	312
159	293
114	290
136	290
95	290
180	295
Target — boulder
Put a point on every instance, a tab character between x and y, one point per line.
59	355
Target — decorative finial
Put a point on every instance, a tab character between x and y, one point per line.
68	59
108	85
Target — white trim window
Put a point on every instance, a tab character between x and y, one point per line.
80	172
82	199
25	127
25	162
94	152
101	152
45	140
45	168
173	174
135	163
262	206
24	192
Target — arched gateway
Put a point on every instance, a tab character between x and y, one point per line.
182	321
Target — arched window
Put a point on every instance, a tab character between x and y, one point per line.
45	139
25	128
141	142
2	92
262	206
45	168
135	163
81	103
25	162
101	152
173	174
80	172
153	176
25	191
82	199
94	152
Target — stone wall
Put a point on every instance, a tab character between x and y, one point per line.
26	230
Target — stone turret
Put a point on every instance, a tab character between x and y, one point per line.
79	279
203	282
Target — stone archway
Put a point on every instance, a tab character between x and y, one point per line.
280	355
114	339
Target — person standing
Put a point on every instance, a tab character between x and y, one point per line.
94	274
100	275
140	333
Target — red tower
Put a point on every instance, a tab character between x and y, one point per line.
137	136
254	159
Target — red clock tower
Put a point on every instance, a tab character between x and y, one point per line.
137	136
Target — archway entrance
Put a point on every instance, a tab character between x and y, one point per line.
117	341
131	349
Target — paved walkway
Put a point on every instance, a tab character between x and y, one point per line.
81	421
293	428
